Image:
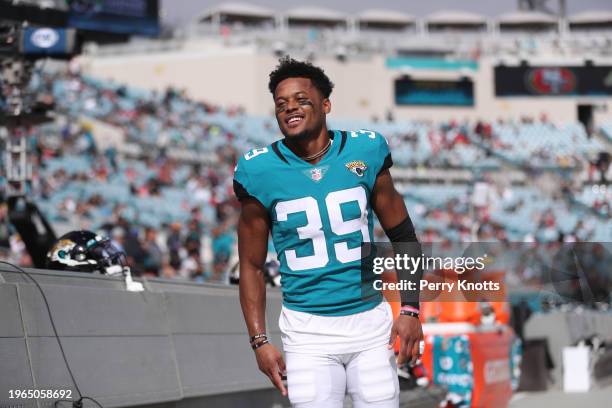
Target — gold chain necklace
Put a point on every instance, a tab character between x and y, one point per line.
321	153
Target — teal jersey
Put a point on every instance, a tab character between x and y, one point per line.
320	214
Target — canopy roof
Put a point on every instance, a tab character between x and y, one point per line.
593	16
315	13
385	16
456	17
238	9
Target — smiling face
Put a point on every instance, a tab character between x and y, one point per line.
300	108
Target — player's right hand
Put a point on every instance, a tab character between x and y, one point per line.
271	363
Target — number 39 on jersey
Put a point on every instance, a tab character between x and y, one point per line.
320	214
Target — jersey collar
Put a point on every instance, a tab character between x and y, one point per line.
295	159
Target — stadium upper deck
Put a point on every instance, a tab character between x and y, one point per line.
450	65
464	35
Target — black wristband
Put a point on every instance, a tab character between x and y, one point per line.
258	345
257	337
407	313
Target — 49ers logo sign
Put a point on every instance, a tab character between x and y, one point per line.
551	81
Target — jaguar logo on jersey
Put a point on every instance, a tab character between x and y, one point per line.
357	166
317	173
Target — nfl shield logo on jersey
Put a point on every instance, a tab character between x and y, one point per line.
317	173
357	166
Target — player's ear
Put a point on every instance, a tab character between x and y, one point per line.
326	105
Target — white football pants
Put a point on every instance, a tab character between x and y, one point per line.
321	381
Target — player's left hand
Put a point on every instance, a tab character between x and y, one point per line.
410	334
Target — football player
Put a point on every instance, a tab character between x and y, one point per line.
315	191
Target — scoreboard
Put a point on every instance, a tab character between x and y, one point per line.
115	16
436	92
584	80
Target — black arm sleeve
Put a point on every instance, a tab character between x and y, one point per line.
405	242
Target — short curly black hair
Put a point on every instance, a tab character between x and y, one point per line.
289	68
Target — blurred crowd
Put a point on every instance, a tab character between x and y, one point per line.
176	218
197	245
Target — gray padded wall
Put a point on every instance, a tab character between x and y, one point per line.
173	341
14	368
